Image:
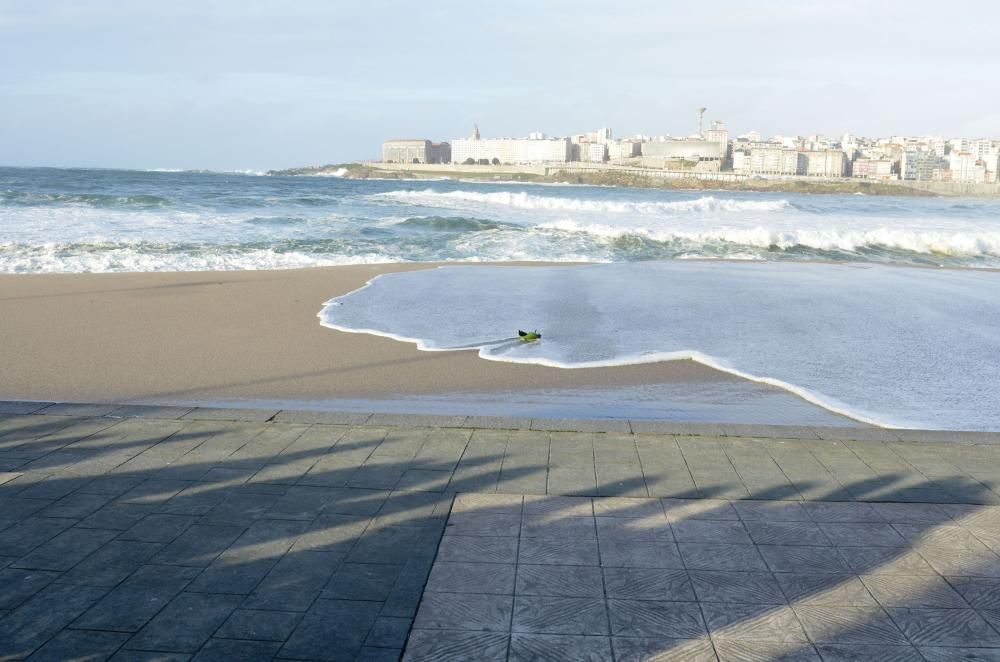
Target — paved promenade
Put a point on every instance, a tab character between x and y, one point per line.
160	533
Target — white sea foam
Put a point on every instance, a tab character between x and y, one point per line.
523	200
824	238
339	172
246	171
64	220
894	346
56	258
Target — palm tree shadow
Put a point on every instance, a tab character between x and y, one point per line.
296	517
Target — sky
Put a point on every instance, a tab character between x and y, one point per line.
241	84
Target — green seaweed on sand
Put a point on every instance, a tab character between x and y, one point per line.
529	336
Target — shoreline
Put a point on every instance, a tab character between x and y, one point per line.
254	336
690	356
20	409
644	178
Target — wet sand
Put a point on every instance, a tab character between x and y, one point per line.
244	335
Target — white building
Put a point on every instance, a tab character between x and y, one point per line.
691	150
965	167
993	168
959	144
717	133
982	148
624	149
768	161
415	151
596	152
937	145
824	163
867	168
407	150
510	150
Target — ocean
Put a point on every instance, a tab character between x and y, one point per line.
882	308
112	220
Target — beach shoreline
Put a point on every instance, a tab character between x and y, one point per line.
250	336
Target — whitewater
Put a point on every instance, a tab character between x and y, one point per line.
55	220
890	346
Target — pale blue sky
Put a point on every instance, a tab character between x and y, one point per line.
243	84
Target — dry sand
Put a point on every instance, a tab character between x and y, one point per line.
211	336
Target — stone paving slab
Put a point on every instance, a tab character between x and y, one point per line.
143	532
328	417
771	584
78	409
580	425
230	414
150	411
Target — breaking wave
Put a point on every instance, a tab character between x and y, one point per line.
148	257
339	172
830	239
523	200
456	224
105	220
26	199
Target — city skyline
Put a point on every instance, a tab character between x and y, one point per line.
750	133
715	150
229	85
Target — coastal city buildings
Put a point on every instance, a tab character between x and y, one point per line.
771	159
966	167
868	168
536	148
718	133
920	165
912	158
624	150
415	151
825	163
700	154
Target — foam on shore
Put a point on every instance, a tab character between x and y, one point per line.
870	342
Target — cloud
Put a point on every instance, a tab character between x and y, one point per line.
356	73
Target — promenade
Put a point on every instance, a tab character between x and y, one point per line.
166	533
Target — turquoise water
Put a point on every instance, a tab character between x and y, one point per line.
111	220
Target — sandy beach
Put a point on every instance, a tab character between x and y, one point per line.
253	335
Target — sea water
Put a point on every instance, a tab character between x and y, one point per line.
111	220
892	346
898	325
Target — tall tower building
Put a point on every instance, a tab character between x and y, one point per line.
475	132
718	134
